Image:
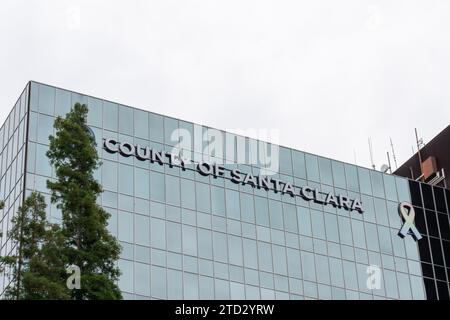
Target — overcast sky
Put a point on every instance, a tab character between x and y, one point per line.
326	74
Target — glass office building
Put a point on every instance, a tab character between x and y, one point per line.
196	230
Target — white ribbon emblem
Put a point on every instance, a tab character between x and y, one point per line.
408	214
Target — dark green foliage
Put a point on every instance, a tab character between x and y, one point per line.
37	266
87	242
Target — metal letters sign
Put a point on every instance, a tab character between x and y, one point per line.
406	210
127	149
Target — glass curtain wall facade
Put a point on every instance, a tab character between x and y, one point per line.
191	236
13	153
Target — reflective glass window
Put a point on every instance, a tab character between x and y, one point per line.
218	201
390	187
186	135
206	288
170	131
174	284
156	127
63	104
110	199
141	124
322	270
46	99
263	233
142	254
285	161
358	234
235	250
125	202
126	278
293	263
393	215
43	166
381	212
34	96
174	260
110	116
298	159
190	286
377	184
158	233
308	267
237	291
398	244
32	129
276	214
141	183
233	207
158	257
222	290
318	228
142	279
158	282
372	236
173	234
312	168
261	211
351	175
172	190
250	255
221	270
326	175
331	227
345	231
203	197
265	257
220	247
385	239
390	283
78	98
45	128
337	276
187	194
402	189
126	118
141	206
95	111
290	217
204	243
157	187
125	226
279	259
109	175
351	281
338	174
189	240
304	221
364	181
142	230
417	288
126	178
247	210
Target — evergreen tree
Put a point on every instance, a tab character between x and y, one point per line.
37	268
88	243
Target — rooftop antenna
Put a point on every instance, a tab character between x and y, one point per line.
393	154
354	155
385	167
371	154
419	143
